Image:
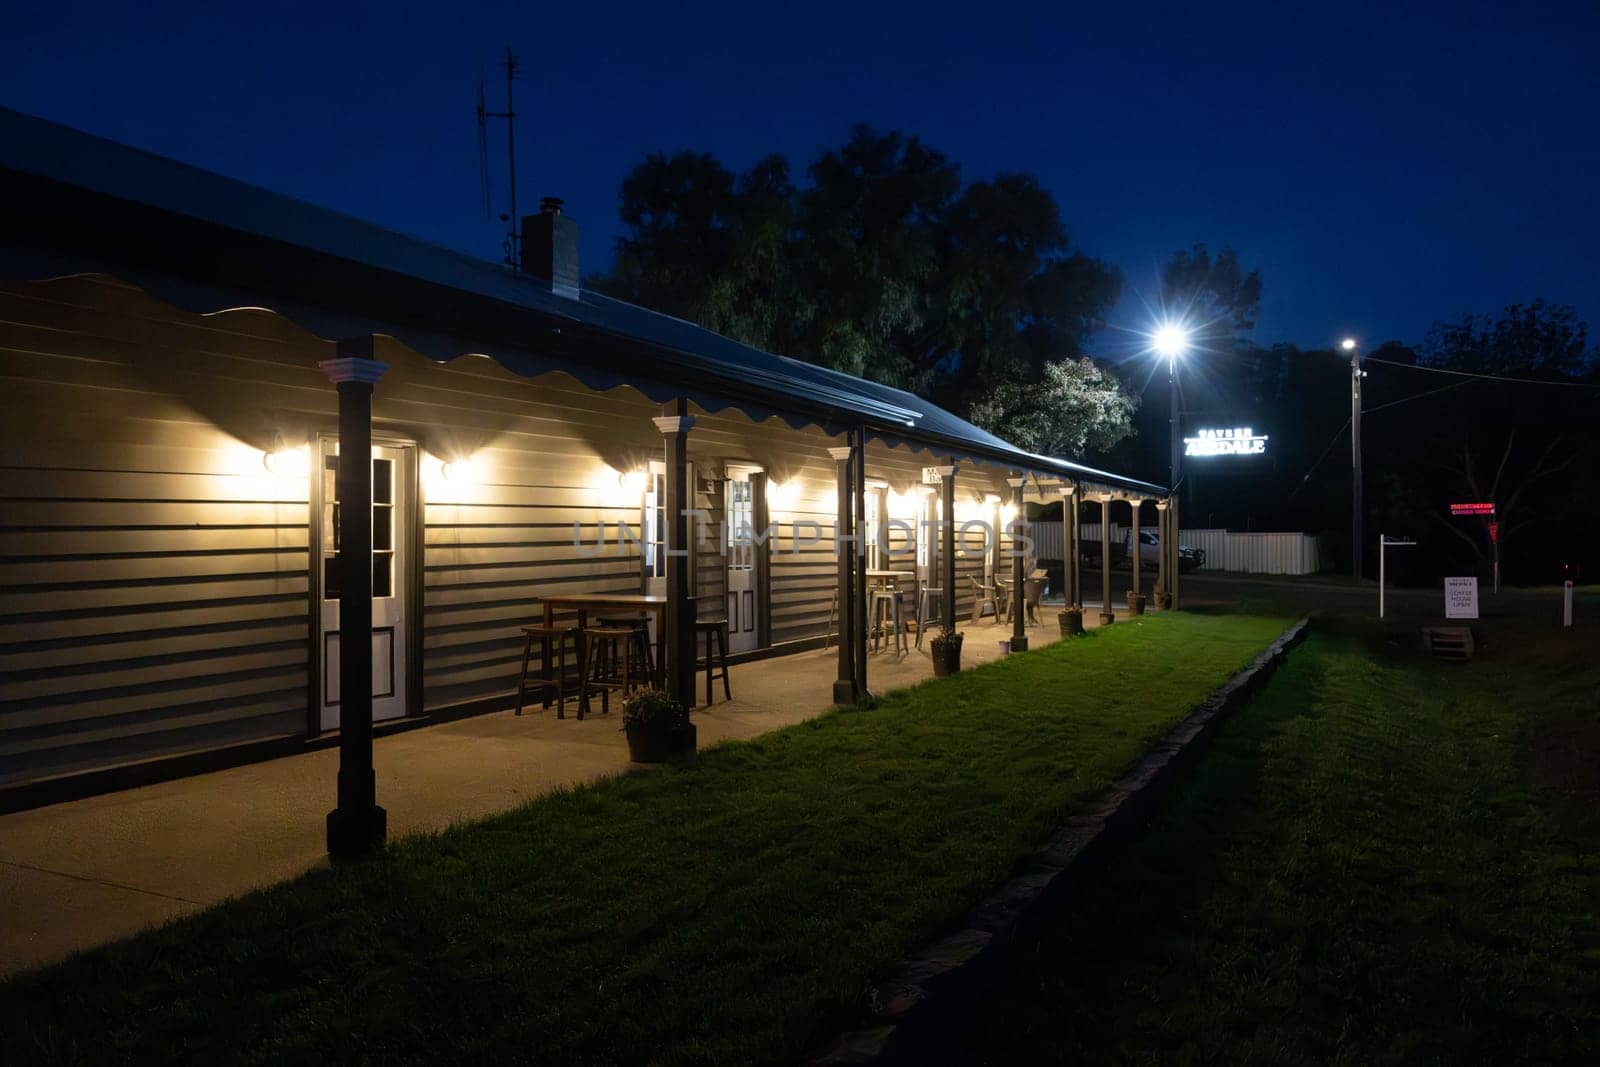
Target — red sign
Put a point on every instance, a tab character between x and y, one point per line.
1486	508
1494	532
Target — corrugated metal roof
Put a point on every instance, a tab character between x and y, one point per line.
91	198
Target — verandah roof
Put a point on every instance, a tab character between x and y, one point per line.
82	204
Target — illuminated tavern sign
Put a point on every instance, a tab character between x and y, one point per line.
1236	441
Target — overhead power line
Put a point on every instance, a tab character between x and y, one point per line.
1470	374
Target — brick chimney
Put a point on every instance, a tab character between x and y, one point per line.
550	248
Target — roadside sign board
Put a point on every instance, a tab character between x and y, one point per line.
1461	598
1483	508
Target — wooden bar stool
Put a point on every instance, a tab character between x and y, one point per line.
716	665
930	602
640	645
553	675
605	665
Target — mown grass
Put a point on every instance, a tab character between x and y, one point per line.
734	908
1359	871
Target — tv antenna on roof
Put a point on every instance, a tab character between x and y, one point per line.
513	258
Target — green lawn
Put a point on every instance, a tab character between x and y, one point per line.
735	908
1381	858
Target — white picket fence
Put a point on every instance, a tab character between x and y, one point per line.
1245	553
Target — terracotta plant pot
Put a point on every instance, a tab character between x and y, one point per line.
1136	603
946	656
1161	601
1071	622
657	746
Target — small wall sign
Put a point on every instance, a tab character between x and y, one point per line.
1477	508
1461	598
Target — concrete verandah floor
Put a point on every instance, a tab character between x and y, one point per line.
85	872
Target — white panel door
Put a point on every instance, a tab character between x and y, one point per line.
744	599
391	511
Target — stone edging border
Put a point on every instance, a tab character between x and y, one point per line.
918	1015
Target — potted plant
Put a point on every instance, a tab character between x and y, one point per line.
946	651
1161	600
657	726
1135	603
1071	619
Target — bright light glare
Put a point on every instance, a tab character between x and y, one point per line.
288	462
1171	340
1348	343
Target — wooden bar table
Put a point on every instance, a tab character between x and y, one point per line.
584	603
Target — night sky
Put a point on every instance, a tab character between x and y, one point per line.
1383	168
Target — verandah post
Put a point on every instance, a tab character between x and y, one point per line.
947	535
858	445
1108	614
680	607
1019	634
357	824
844	685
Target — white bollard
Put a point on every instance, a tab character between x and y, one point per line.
1566	603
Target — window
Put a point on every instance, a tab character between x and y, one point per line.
655	524
870	520
741	524
383	519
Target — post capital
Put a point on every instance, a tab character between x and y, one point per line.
1162	504
840	453
1017	481
344	369
673	423
1066	489
931	475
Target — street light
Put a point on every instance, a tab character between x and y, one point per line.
1171	340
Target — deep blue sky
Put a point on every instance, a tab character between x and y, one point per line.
1384	165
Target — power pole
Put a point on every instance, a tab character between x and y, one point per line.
1172	423
1350	346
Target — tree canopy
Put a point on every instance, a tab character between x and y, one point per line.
885	264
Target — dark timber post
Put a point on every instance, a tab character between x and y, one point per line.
1136	547
1173	570
1069	544
947	537
1077	544
844	686
357	825
1165	538
858	445
762	520
1107	614
680	607
1019	634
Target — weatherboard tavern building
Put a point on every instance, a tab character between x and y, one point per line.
181	356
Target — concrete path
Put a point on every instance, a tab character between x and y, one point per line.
82	873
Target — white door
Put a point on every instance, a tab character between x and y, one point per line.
391	511
653	525
743	596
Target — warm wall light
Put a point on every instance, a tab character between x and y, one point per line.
1007	513
464	471
782	495
631	483
288	462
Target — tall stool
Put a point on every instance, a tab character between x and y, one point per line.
717	664
886	607
551	638
639	644
605	665
929	601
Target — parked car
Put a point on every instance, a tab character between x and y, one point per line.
1149	552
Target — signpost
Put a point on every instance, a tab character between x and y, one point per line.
1566	603
1384	542
1461	598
